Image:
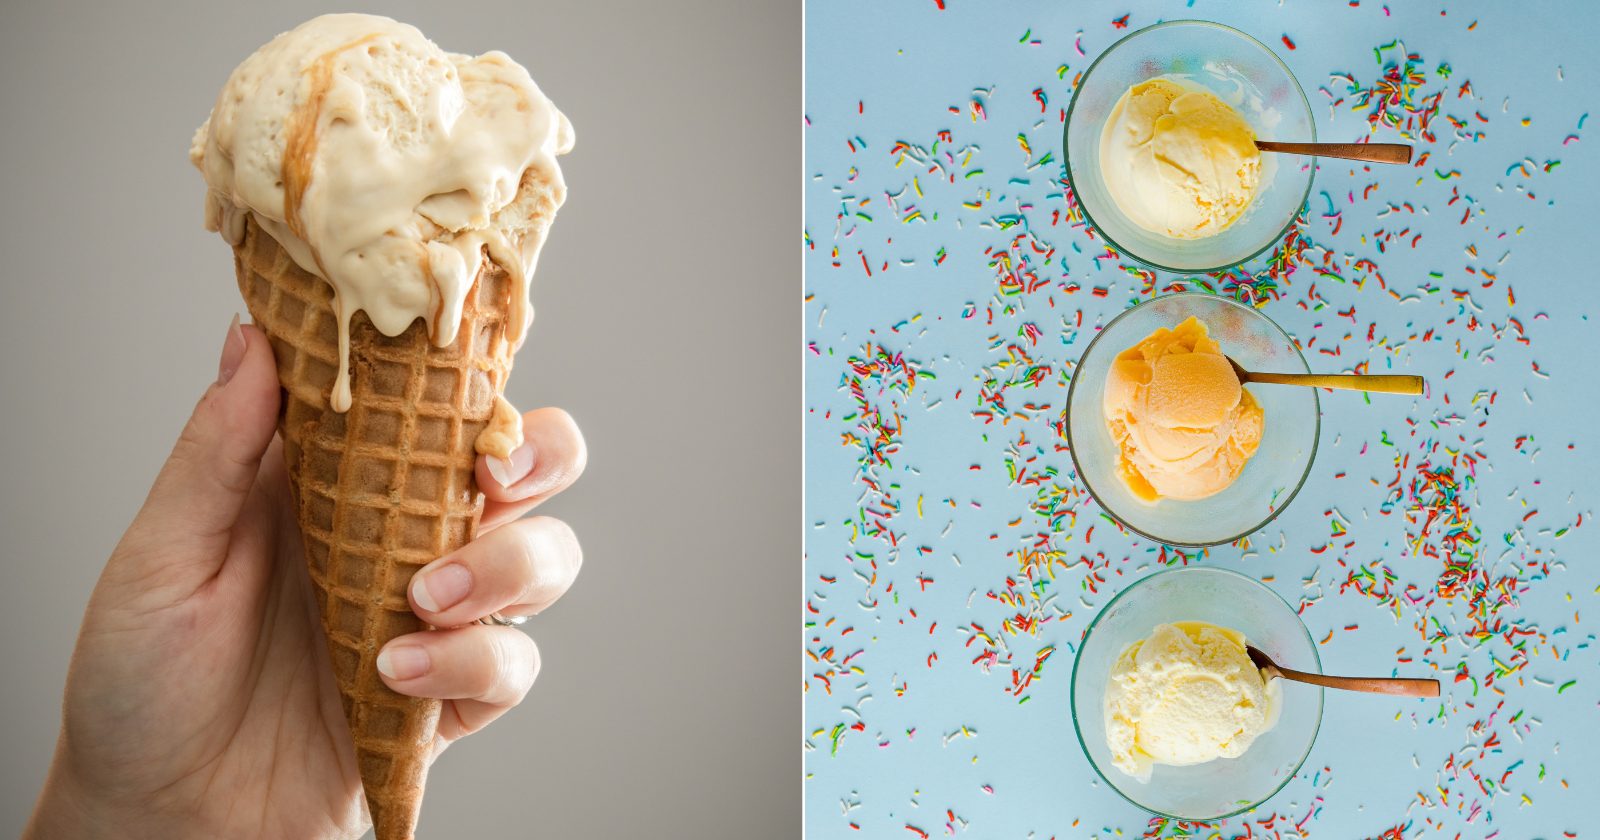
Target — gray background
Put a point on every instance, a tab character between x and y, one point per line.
665	295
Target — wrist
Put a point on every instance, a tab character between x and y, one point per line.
67	809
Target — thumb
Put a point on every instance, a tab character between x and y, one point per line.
192	506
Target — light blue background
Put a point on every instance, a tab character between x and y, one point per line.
881	73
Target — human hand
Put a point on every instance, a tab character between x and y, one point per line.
200	701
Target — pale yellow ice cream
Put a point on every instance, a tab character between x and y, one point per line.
1182	424
1185	695
1177	160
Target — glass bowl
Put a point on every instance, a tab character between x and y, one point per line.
1226	786
1243	73
1271	478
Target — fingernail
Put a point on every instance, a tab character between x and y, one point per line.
232	352
441	588
512	470
403	662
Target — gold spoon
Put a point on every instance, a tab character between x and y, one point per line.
1369	152
1400	686
1385	384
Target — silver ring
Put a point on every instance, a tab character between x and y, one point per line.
495	618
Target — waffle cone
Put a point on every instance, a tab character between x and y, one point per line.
380	490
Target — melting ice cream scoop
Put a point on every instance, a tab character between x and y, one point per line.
387	167
1178	161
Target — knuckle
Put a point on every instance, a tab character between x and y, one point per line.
530	667
566	545
525	552
200	450
516	663
578	454
190	446
549	556
487	680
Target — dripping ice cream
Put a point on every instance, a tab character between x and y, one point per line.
389	168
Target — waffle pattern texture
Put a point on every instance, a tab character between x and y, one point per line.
380	490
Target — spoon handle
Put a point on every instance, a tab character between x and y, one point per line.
1400	686
1347	381
1369	152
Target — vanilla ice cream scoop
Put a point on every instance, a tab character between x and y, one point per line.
1186	694
387	167
1183	426
1177	160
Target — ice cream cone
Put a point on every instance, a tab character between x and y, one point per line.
386	202
379	490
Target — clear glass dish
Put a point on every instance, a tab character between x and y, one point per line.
1226	786
1271	478
1241	71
